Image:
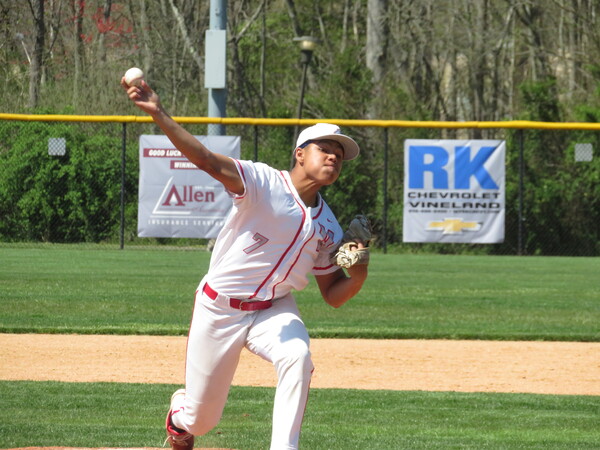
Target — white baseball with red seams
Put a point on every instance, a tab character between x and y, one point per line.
257	260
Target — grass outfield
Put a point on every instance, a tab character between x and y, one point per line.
131	415
72	289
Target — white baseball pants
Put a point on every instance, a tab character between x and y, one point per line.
217	336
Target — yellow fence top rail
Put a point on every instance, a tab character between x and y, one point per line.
522	124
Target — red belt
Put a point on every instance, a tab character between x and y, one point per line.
243	305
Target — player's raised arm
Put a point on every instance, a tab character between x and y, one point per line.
220	167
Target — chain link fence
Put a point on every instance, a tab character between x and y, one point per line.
76	181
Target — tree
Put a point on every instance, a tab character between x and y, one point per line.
77	11
37	58
376	44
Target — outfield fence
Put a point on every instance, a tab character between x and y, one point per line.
74	179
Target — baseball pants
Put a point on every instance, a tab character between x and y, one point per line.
218	333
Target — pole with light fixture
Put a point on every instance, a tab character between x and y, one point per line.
307	47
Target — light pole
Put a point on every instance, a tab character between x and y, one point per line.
307	47
215	74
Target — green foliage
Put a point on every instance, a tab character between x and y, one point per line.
76	198
340	93
276	146
352	194
70	198
540	101
561	196
430	70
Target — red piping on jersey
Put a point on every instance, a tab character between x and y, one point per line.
323	268
287	250
241	169
320	208
295	261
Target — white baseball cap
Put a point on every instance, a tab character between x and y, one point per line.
332	132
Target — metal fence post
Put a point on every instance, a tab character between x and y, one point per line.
123	152
255	143
385	189
521	176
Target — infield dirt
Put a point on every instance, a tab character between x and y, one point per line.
571	368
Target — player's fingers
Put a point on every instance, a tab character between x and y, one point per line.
134	94
132	91
144	90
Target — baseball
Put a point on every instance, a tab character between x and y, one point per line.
134	76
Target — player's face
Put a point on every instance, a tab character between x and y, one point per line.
323	160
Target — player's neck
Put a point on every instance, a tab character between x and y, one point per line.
309	197
307	189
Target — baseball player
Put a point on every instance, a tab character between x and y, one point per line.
279	230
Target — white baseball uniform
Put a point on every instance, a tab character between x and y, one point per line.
269	244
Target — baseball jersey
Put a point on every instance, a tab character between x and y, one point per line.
271	241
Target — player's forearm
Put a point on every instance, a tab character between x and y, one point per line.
220	167
344	288
181	138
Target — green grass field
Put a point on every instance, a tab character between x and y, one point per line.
131	415
65	289
71	289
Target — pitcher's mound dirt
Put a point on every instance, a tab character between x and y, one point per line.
428	365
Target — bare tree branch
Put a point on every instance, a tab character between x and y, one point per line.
184	33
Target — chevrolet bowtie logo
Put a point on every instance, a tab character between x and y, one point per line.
453	226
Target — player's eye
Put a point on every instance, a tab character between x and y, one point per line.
334	151
330	151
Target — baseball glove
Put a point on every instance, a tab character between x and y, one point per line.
347	254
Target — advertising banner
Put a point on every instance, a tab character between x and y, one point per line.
454	191
176	199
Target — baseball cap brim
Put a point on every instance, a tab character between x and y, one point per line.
351	149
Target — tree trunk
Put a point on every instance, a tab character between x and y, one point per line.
532	16
345	19
376	50
146	51
37	59
186	37
104	28
480	66
377	38
263	59
77	10
294	17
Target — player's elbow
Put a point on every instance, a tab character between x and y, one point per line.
335	301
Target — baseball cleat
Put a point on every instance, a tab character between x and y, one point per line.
177	438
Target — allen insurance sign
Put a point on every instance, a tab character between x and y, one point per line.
176	199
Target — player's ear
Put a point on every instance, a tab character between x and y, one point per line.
299	154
